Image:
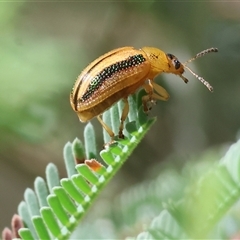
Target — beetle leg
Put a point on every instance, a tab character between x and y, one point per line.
148	86
106	127
161	92
145	100
123	117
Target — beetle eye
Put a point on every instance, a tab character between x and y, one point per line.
174	60
176	64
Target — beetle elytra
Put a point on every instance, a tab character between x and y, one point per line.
120	73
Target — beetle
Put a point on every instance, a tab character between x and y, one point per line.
120	73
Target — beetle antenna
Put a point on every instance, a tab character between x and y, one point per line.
201	79
201	54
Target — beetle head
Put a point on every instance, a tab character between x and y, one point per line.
175	66
178	68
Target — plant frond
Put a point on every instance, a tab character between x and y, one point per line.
57	206
204	204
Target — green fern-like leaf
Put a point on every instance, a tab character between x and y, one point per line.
207	200
56	206
68	199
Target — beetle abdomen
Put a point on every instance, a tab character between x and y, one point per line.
87	114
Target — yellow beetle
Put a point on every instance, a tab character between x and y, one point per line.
120	73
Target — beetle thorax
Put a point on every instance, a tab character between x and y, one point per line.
158	60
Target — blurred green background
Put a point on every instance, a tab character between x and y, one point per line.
45	45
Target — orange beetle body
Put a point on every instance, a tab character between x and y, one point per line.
118	74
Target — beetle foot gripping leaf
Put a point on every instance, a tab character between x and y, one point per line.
150	105
119	74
